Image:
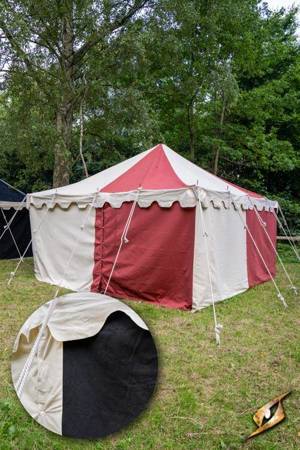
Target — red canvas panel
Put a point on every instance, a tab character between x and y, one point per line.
157	263
152	172
257	273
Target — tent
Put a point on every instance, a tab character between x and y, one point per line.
155	227
16	235
95	368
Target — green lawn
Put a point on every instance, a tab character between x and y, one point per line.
206	396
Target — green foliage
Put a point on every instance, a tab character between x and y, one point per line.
217	81
206	396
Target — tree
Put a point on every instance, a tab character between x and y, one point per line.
261	136
216	80
196	45
50	41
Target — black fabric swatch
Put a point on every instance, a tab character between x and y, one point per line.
108	379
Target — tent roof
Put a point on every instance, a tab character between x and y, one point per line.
158	173
10	197
10	194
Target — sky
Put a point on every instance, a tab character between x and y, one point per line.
275	4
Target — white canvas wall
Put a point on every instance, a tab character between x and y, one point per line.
54	240
227	253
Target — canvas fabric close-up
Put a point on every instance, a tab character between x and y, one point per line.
95	368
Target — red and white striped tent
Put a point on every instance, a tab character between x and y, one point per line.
155	227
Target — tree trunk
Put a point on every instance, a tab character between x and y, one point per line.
81	141
217	151
64	114
62	155
216	160
191	130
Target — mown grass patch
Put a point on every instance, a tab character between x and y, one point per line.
206	396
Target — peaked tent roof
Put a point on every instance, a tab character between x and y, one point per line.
158	169
153	171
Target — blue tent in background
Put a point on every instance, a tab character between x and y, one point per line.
16	238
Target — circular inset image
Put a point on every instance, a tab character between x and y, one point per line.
86	368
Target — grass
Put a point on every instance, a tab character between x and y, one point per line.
206	396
